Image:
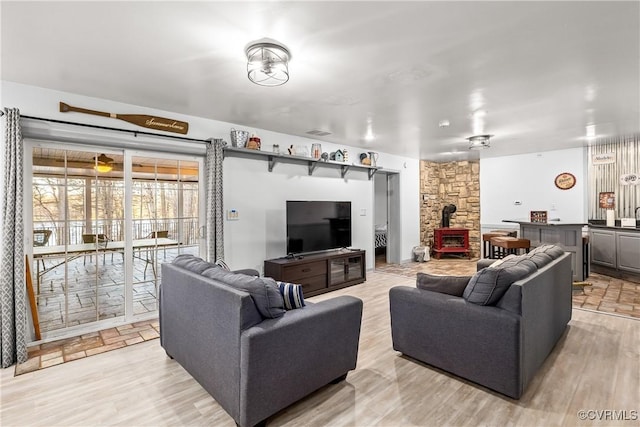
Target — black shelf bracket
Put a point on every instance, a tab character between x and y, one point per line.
312	167
343	170
372	172
272	163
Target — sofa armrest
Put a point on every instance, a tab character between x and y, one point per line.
284	359
480	343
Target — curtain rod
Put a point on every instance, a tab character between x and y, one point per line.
134	132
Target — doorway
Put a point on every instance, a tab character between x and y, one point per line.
102	222
387	218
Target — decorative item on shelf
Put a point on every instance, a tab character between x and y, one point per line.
345	153
538	216
291	150
254	142
364	159
373	157
276	148
239	138
302	151
316	150
611	218
565	181
332	156
339	156
325	156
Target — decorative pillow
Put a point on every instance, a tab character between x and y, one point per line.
488	285
552	250
264	291
291	295
451	285
500	261
220	263
192	263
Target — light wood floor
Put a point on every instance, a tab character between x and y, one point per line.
596	366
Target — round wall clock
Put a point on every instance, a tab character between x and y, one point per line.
565	181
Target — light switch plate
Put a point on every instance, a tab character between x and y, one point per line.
233	215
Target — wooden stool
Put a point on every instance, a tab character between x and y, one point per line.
509	245
486	240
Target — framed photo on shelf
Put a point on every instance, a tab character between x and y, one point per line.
539	216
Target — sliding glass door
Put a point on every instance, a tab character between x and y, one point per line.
102	223
165	207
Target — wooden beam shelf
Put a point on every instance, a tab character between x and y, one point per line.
312	164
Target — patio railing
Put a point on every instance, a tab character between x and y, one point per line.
184	230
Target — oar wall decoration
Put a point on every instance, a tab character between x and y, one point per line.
151	122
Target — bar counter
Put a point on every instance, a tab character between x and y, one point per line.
567	235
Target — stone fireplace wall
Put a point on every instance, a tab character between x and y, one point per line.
455	183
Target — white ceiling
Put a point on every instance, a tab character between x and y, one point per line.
542	71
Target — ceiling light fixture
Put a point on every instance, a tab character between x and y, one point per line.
103	164
268	62
478	142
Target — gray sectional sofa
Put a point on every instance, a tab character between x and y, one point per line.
230	331
495	328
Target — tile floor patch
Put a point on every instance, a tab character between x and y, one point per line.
67	350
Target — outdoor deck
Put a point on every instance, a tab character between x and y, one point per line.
96	289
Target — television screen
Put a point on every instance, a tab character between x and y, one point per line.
318	225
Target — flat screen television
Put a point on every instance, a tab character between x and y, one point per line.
314	226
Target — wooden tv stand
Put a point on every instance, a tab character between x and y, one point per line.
320	273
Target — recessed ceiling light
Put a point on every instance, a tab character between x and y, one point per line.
591	131
443	123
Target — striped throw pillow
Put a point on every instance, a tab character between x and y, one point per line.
292	295
220	263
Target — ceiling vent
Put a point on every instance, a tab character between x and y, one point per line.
317	132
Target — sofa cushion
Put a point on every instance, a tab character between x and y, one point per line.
263	290
192	263
451	285
501	260
540	259
488	285
291	295
552	250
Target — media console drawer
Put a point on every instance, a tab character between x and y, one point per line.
302	271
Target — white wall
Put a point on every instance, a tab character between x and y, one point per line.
529	178
380	199
257	194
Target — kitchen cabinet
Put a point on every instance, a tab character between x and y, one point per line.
603	247
628	251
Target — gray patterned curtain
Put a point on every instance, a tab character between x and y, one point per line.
13	307
215	213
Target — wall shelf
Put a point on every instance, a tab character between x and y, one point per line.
273	159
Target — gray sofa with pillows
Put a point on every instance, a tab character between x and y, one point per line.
495	328
231	332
